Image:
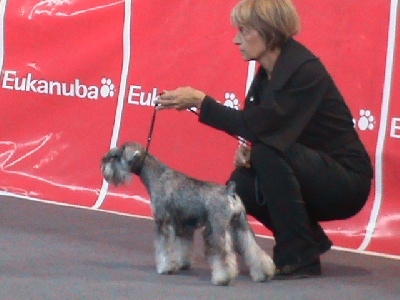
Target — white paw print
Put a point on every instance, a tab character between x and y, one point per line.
107	89
366	121
231	100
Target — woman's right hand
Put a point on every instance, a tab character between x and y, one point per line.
242	156
180	98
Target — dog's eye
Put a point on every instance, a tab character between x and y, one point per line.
112	156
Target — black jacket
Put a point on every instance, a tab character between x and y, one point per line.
300	104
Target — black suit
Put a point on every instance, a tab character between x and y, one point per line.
308	163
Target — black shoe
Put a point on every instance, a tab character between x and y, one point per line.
299	270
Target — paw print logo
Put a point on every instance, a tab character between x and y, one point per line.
107	89
231	100
366	121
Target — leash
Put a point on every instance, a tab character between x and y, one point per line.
137	167
150	135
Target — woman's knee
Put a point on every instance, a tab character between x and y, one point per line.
348	203
269	162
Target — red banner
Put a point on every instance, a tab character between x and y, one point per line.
79	77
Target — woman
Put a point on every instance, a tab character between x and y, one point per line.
305	162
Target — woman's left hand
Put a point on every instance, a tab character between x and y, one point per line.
180	99
242	156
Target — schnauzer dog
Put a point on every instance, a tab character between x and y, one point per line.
180	205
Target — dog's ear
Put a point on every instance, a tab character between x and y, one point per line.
114	153
231	188
131	155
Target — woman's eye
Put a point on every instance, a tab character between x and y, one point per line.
243	30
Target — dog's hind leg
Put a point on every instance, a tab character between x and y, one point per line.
218	249
165	236
259	262
230	259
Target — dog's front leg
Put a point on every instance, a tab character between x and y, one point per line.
183	245
165	236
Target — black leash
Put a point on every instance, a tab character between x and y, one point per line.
137	167
149	137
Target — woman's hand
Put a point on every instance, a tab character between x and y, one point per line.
242	156
180	99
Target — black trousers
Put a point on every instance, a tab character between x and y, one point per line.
291	192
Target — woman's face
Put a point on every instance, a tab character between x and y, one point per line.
250	42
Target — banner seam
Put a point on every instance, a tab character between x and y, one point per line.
3	5
388	82
122	90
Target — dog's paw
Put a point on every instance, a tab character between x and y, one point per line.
258	276
185	264
220	274
264	269
167	269
220	278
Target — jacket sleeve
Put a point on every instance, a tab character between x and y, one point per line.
224	118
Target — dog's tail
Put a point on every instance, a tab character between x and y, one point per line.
235	202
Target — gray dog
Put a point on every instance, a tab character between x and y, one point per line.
181	204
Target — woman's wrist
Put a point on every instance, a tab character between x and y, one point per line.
199	96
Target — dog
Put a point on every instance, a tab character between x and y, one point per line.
180	205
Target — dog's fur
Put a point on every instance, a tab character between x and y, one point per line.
181	204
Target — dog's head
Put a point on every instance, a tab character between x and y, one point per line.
118	164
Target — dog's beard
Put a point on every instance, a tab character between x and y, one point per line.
116	172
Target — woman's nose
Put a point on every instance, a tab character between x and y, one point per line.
236	40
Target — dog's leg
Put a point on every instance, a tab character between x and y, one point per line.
259	262
165	236
183	243
230	260
218	249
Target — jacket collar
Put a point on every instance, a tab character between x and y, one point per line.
292	56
